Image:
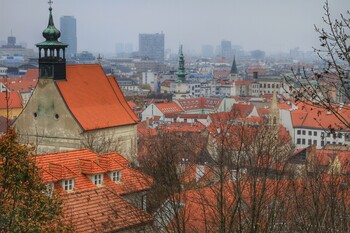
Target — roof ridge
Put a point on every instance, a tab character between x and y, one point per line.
118	97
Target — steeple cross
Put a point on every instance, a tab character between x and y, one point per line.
50	3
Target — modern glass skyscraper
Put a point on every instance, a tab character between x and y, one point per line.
69	34
152	46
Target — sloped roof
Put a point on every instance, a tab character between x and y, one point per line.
13	100
25	84
243	110
66	165
90	167
314	117
326	158
183	127
199	103
101	210
169	107
95	100
243	82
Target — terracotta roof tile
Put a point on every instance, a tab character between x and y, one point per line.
60	171
101	210
64	165
199	103
14	100
95	100
90	167
169	107
314	117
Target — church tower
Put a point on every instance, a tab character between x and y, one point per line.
52	60
234	71
274	112
181	73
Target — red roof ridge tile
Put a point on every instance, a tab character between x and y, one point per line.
90	167
60	171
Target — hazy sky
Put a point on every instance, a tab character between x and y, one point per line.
270	25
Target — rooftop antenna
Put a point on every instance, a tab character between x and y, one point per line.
99	59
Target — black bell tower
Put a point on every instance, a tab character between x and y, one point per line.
52	57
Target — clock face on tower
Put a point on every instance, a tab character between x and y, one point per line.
46	71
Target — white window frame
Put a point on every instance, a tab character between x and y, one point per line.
116	176
97	179
68	185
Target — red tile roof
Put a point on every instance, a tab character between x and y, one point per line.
132	104
25	84
326	157
243	82
263	111
76	164
102	210
183	127
187	115
200	103
221	73
314	117
242	110
13	100
90	167
95	100
169	107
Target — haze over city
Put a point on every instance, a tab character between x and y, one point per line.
270	25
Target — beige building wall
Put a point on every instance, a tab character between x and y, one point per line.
47	123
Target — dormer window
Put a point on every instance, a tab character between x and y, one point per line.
68	185
116	176
97	179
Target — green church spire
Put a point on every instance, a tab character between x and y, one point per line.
52	60
181	73
234	69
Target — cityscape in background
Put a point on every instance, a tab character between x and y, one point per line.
145	137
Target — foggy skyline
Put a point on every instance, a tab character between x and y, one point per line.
270	25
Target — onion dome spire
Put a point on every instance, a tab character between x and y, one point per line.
181	73
51	33
52	60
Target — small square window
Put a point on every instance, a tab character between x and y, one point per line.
310	133
315	133
298	141
116	176
97	179
304	132
299	132
68	185
303	141
309	142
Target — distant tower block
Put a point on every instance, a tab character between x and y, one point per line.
69	34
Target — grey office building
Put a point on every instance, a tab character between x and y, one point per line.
69	34
152	46
226	49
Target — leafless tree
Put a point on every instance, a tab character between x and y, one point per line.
325	88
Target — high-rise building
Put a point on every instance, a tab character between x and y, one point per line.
69	34
152	46
226	49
